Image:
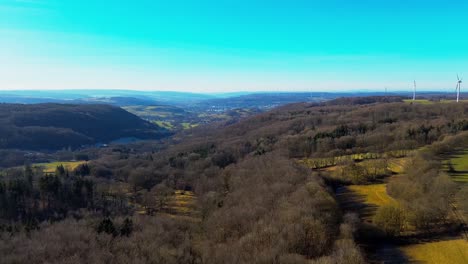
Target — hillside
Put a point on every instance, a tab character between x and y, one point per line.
350	181
56	126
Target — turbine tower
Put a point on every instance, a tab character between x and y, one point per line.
459	82
414	91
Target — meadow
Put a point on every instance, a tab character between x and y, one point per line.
448	251
52	166
418	101
459	163
374	194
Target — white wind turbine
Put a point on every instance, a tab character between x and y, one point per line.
414	91
459	82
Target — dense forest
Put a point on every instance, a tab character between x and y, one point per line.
57	126
257	191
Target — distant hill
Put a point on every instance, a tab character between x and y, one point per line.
118	101
117	97
56	126
263	100
365	100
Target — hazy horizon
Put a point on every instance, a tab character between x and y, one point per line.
109	90
222	47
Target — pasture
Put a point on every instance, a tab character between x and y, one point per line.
459	164
52	166
419	101
440	252
373	194
165	124
186	125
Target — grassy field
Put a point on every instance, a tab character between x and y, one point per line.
188	125
183	202
181	205
165	124
374	194
449	251
51	166
460	164
418	101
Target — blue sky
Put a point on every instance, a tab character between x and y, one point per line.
223	46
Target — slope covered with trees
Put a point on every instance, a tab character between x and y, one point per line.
256	202
56	126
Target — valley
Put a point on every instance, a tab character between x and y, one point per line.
378	180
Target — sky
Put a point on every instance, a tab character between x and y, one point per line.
226	46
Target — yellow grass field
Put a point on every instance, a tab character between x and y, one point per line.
441	252
52	166
182	205
374	194
183	202
460	164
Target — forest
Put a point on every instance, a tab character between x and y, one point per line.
57	126
284	186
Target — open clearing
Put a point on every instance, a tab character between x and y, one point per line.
449	251
165	124
418	101
374	194
188	125
181	205
52	166
460	164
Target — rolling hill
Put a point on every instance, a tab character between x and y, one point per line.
56	126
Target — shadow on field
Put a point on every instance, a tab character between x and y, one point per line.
378	247
353	202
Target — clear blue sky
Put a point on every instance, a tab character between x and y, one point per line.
242	45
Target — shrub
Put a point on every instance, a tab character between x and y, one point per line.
390	219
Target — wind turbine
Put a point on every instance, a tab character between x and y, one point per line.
414	91
458	87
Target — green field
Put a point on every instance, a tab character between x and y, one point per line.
440	252
189	125
418	101
165	124
460	164
52	166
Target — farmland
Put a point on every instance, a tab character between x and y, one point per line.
176	119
